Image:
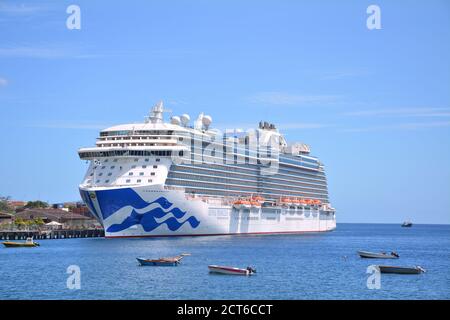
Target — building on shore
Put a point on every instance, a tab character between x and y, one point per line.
5	217
69	220
83	210
15	204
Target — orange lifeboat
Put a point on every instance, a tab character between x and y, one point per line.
317	202
241	204
258	199
303	202
255	204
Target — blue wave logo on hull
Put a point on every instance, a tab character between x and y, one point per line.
148	220
111	201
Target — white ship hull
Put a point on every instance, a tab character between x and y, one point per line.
152	211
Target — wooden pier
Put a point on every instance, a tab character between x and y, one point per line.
53	234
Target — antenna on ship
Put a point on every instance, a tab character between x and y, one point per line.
156	115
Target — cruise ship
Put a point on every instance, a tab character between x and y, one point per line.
183	178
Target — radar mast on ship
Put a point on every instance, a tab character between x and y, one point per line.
156	115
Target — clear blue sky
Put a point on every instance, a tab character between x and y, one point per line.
373	104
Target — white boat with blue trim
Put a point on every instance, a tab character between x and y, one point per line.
176	179
378	255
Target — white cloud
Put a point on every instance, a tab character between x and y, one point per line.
18	9
342	75
176	102
401	126
64	51
284	98
30	52
406	112
3	82
37	52
76	126
279	126
294	126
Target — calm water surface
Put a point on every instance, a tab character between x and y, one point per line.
314	266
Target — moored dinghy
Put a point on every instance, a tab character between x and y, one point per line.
167	261
231	270
401	270
157	262
376	255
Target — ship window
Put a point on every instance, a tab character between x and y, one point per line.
141	173
130	173
106	160
146	160
136	160
152	174
150	180
132	167
97	181
115	160
112	167
128	181
103	167
107	181
91	174
143	167
139	180
109	174
100	174
157	160
155	167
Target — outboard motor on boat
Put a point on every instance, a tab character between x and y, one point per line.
251	270
395	254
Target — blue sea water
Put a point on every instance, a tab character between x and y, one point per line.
311	266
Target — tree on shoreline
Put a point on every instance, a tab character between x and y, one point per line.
4	205
36	204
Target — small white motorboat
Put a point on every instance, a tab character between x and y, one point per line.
407	224
401	270
376	255
231	270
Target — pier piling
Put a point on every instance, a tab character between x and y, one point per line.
53	234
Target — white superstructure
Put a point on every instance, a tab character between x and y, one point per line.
172	179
